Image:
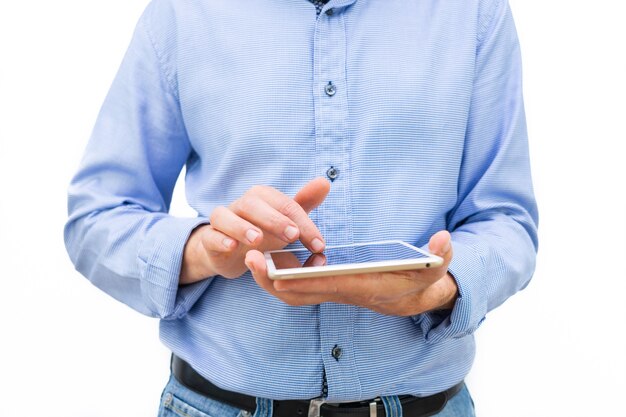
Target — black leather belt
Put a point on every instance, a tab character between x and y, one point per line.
411	406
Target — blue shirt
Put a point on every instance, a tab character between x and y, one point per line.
416	104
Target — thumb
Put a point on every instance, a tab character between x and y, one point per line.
440	244
312	194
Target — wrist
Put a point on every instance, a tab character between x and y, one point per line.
450	292
194	267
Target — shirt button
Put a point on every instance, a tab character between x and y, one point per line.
332	173
336	352
330	12
330	89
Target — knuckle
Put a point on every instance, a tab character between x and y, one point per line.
216	214
291	209
373	296
278	222
373	299
408	275
257	189
246	204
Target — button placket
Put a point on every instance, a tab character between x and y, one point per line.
332	137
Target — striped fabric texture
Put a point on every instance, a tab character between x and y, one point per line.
417	107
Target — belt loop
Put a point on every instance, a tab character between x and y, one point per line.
373	410
264	408
393	407
314	407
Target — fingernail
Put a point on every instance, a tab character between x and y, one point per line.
291	232
317	245
251	235
447	247
228	242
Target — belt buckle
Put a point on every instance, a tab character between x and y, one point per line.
316	404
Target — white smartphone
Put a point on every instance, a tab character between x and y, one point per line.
389	255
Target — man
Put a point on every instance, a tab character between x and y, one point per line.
303	124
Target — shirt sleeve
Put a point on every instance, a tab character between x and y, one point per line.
494	225
119	234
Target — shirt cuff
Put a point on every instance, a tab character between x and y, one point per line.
470	307
160	260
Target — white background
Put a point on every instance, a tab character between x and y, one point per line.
555	349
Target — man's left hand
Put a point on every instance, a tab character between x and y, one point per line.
400	293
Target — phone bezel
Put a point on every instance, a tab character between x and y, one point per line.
429	261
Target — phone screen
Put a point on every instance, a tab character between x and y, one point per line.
358	254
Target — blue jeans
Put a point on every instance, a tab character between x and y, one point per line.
179	401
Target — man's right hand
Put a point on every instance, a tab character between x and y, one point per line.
262	219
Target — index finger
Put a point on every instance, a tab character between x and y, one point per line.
309	234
